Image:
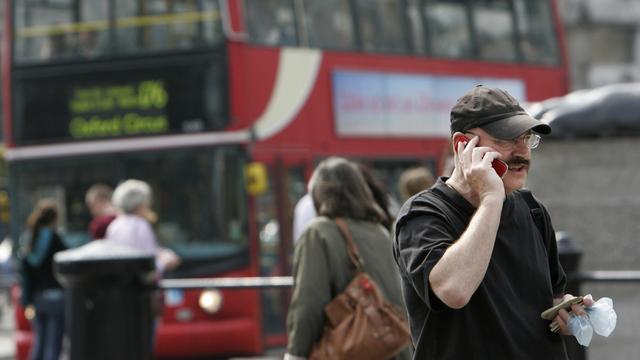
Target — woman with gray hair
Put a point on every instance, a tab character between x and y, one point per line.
132	226
321	266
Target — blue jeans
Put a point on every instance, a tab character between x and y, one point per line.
48	324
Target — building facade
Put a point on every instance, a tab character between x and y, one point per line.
603	41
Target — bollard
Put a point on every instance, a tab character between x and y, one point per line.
570	254
108	310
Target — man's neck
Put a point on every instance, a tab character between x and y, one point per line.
457	183
463	189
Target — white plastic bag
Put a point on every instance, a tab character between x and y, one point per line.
602	316
581	328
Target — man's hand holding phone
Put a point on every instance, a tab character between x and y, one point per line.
475	165
498	165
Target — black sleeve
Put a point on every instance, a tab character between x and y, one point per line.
26	283
421	240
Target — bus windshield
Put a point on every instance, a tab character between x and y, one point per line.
47	31
198	195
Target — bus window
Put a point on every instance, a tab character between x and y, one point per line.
535	25
145	25
92	41
329	24
449	30
381	26
416	27
40	32
46	31
49	31
198	195
494	30
271	22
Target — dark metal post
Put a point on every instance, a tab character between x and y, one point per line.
570	255
108	311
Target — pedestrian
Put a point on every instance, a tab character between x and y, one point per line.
42	295
321	265
132	227
303	213
477	269
414	180
98	200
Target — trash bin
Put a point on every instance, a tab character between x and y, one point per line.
109	302
570	254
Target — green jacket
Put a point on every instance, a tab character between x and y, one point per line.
322	269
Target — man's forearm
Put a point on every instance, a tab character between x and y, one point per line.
461	269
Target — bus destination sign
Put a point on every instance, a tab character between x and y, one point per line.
119	110
96	101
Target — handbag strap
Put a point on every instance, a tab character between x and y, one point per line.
352	250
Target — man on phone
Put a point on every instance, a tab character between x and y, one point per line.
477	268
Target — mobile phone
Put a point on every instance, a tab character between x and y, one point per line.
498	165
552	312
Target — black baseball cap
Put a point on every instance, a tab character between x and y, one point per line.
496	112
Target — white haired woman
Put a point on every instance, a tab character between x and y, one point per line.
132	226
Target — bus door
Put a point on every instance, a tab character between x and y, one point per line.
275	221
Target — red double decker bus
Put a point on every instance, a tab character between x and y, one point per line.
191	95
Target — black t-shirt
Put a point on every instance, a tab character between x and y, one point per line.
502	319
42	273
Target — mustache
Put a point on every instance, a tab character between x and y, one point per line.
518	160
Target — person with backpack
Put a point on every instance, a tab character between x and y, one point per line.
42	295
476	252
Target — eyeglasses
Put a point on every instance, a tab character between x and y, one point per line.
530	140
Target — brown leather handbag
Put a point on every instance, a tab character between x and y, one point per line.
361	323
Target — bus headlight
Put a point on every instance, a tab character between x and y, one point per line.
210	301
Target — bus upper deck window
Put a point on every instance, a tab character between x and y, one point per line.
40	32
449	30
329	24
494	30
416	26
166	25
381	26
50	32
536	28
271	22
80	29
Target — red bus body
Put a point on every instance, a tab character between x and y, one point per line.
306	133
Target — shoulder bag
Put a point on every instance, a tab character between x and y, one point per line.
361	324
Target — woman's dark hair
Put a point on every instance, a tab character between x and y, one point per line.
338	189
44	214
379	193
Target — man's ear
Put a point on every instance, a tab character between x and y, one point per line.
457	138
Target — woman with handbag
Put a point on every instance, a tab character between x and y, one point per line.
347	300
